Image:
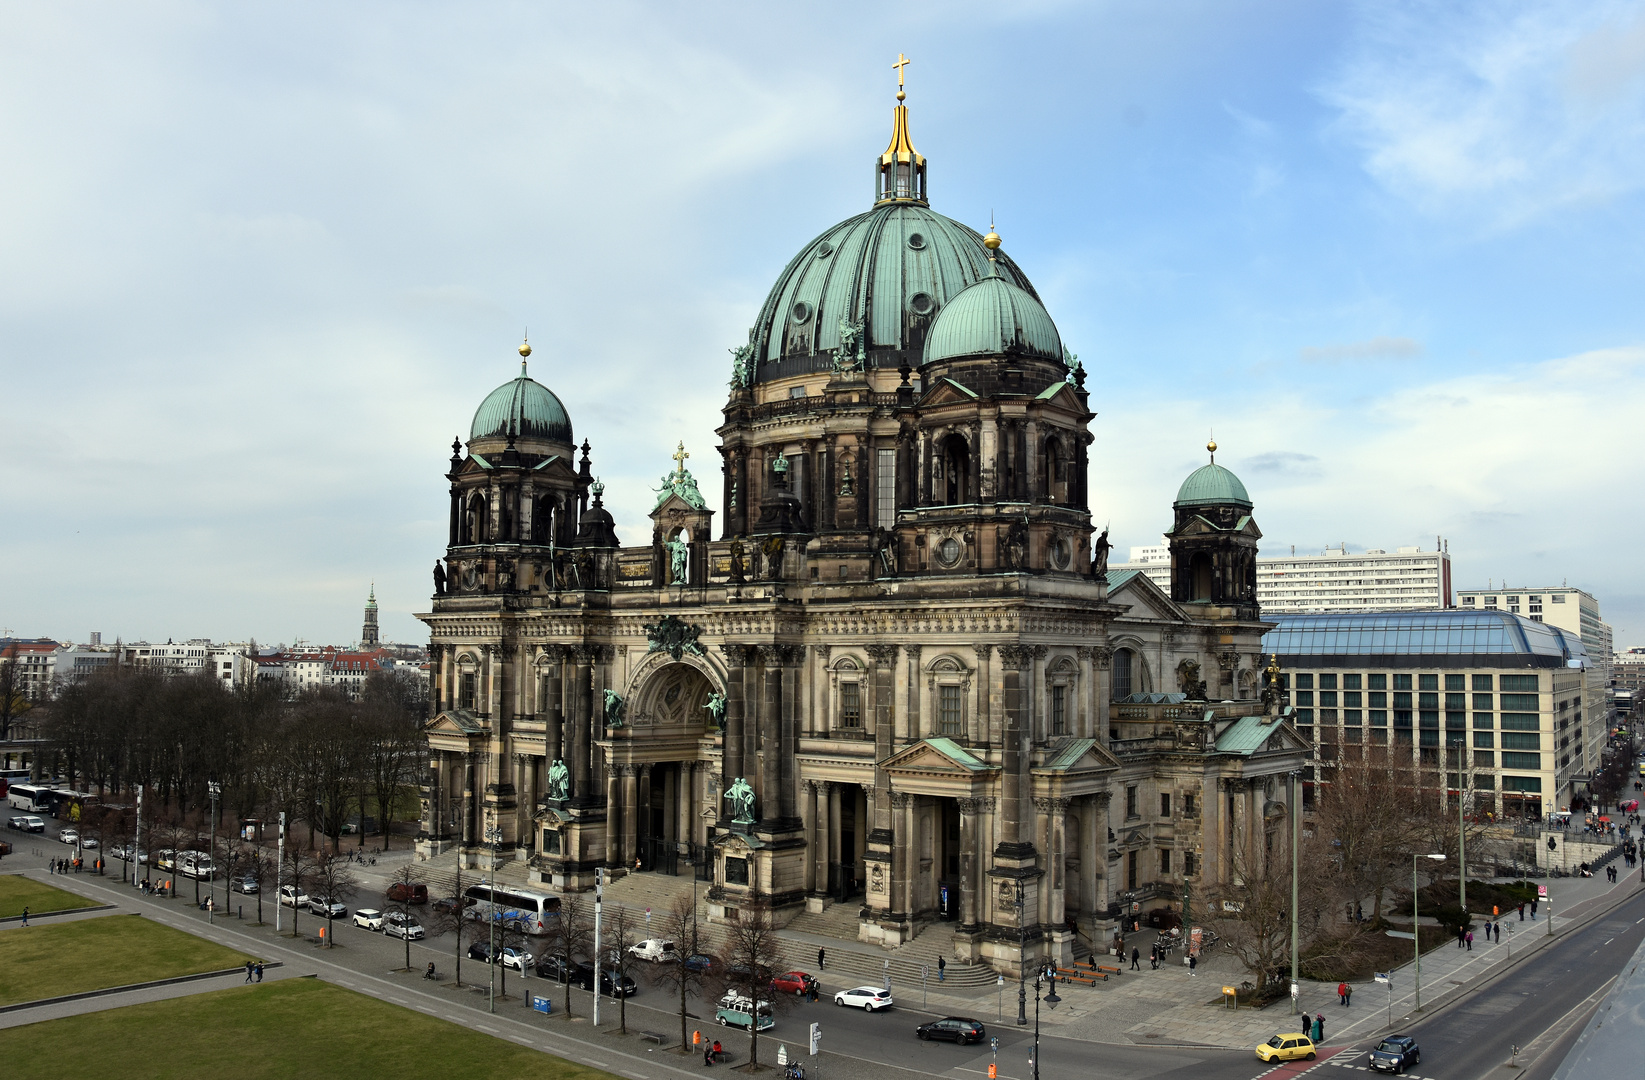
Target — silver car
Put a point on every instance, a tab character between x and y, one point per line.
400	925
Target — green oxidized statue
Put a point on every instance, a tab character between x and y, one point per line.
742	802
559	781
742	366
615	707
716	709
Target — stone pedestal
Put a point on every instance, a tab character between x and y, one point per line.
758	867
570	858
1014	936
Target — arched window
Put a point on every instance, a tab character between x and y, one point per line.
1199	568
1055	482
476	520
1123	679
956	471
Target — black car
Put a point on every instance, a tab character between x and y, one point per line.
558	969
481	950
608	981
960	1029
1395	1054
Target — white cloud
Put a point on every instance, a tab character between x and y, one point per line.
1377	348
1497	109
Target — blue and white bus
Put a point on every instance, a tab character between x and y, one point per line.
517	909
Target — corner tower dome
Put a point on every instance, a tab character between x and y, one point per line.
521	408
1212	485
879	279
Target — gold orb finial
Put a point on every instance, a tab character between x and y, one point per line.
992	240
1212	446
525	348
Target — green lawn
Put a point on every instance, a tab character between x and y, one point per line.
47	960
18	892
289	1029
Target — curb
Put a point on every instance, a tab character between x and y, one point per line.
131	986
65	911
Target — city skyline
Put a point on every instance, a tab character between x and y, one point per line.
272	261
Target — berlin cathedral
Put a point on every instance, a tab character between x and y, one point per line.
897	673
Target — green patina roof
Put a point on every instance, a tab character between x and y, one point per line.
1246	735
1071	754
523	408
958	754
993	318
1116	578
893	268
1212	485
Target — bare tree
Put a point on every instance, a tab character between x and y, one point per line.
334	881
683	980
395	708
752	954
301	864
406	877
571	936
620	927
256	866
1253	911
13	702
452	920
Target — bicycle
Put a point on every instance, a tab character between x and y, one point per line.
795	1071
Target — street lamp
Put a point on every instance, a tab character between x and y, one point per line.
1022	961
493	836
1051	1002
1296	843
211	854
1416	929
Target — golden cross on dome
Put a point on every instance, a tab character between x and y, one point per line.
679	459
902	62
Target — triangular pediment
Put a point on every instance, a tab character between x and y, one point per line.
946	391
676	507
1062	395
1146	600
937	757
458	722
1080	756
1251	736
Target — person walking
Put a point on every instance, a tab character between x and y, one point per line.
821	954
1533	910
1342	993
942	966
249	966
26	917
1193	962
1522	911
1319	1028
1470	941
1136	955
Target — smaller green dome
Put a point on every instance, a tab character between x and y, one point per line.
993	318
523	408
1212	485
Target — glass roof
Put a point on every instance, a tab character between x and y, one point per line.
1420	633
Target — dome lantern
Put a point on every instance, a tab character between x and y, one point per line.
899	174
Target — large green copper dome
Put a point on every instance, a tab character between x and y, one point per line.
993	318
523	408
1212	485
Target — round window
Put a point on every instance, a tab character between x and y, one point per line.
1061	553
916	241
922	304
948	551
800	312
824	250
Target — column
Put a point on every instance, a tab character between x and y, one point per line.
732	752
642	817
1056	811
788	742
911	714
613	815
1013	659
881	708
902	849
968	862
978	723
577	723
808	817
553	705
770	728
823	839
836	792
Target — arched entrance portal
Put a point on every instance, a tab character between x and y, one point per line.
662	825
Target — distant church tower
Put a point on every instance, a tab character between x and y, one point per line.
368	632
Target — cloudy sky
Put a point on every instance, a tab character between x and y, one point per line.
260	262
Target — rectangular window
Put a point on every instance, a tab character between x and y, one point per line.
1428	682
950	709
1379	718
1482	682
1059	710
1350	682
1379	737
1305	716
1521	761
1131	802
851	704
1351	716
1351	699
1377	682
1131	870
1483	720
1328	682
1165	804
1188	864
1519	721
1188	805
1429	757
1352	735
1165	860
1484	759
1455	682
1402	718
1484	781
1402	736
1427	701
1378	700
1522	684
1402	682
1484	740
1328	698
1521	702
1327	716
1521	783
885	490
1402	701
1521	740
1456	721
1483	702
465	692
1304	697
736	871
1456	701
1428	718
1305	682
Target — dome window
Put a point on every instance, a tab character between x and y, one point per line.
800	312
922	304
916	241
824	250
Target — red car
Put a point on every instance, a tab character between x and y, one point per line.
793	982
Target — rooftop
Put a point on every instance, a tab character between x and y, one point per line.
1450	633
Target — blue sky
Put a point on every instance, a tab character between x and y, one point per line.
262	262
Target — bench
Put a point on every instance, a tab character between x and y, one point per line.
654	1036
1080	975
1108	970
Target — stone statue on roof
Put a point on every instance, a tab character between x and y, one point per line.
679	558
559	781
742	365
742	801
716	709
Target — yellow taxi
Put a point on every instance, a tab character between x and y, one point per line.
1293	1047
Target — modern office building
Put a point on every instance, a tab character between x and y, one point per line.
1408	579
1512	692
1573	610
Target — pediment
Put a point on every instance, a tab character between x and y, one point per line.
946	391
1146	600
675	508
937	758
1062	395
1080	756
455	722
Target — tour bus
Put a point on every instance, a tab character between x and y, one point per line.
31	797
518	909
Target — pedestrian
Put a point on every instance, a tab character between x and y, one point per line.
1136	955
1522	911
259	972
249	966
942	966
1470	941
1533	910
1319	1028
813	991
1461	936
708	1056
717	1050
25	916
1193	962
820	955
1342	993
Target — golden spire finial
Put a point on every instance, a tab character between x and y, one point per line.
1212	446
902	62
525	351
992	240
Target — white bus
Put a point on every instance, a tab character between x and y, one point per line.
31	797
518	909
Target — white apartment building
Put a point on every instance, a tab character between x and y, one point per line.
229	663
1408	579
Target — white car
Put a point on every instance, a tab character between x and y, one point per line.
88	843
292	896
866	998
369	918
518	959
69	836
656	950
400	925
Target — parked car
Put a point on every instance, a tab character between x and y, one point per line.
656	950
1292	1046
608	981
399	924
327	908
88	843
1395	1054
194	864
447	904
701	962
368	918
793	982
866	998
518	959
959	1029
402	893
558	969
738	1011
291	896
69	836
481	951
247	885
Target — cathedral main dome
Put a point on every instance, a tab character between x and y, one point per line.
885	274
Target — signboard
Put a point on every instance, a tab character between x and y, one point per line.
1229	991
1384	978
1296	991
816	1038
541	1004
1195	937
1542	892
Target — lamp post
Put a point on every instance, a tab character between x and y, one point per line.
1416	929
493	836
1051	1002
1296	843
1022	961
216	790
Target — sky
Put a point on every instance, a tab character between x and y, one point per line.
259	263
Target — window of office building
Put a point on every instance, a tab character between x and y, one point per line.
1519	684
1427	701
1520	702
1305	682
1350	682
1327	682
1402	682
1456	701
1484	740
1379	717
1352	699
1455	682
1428	682
1521	740
1514	721
1521	761
1376	682
1327	698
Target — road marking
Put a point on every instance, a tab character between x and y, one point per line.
488	1030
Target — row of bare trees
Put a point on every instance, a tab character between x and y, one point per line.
321	758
